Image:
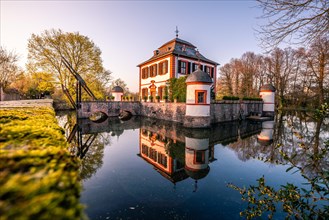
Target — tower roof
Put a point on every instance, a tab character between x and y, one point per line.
179	47
197	174
117	89
268	87
199	76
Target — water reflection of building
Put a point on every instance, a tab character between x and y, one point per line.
154	148
198	155
266	135
174	159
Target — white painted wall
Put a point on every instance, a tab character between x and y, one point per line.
157	78
197	144
269	101
190	92
197	110
117	96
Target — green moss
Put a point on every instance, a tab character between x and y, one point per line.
38	176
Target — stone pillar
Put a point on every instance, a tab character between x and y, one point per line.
267	93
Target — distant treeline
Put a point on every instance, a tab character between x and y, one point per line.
301	76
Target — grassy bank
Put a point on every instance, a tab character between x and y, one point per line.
38	176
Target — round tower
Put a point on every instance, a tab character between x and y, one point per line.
266	135
267	93
117	92
196	158
198	100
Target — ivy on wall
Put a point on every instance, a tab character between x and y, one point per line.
177	89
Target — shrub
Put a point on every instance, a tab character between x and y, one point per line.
252	99
231	98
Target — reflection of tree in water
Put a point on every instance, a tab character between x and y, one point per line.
249	148
305	138
302	143
89	148
295	135
176	149
93	159
67	120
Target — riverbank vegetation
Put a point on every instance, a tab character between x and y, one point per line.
38	176
309	159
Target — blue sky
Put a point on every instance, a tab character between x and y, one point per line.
127	32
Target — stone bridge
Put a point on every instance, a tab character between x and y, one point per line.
109	108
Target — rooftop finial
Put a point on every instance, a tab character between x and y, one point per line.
176	32
197	53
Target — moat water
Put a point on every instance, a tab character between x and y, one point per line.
151	169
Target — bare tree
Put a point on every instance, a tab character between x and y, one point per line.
300	81
225	82
9	70
249	73
230	81
121	83
318	63
281	68
299	20
244	76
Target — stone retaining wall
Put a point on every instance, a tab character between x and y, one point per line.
233	110
219	112
165	111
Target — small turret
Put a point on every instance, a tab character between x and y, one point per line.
267	93
117	92
198	99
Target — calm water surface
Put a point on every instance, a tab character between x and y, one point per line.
151	169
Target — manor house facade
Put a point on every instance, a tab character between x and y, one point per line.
173	59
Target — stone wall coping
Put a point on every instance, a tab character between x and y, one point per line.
28	103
